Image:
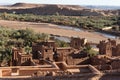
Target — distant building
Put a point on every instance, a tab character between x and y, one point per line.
77	42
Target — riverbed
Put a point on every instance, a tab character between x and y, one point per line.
62	31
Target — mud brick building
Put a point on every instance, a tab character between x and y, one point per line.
15	52
24	59
20	58
109	48
63	53
77	43
46	53
99	60
105	48
116	50
115	64
49	60
103	62
37	47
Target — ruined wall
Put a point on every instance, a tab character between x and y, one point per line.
38	47
98	60
77	43
80	61
105	48
115	64
63	53
116	50
104	67
6	72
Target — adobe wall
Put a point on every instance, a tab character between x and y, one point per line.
104	67
63	53
115	64
27	72
65	77
105	48
35	48
76	43
72	77
65	49
47	53
73	61
116	51
81	61
98	60
50	44
6	72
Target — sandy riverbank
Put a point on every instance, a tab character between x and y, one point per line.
53	29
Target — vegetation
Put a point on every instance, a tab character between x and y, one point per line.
87	22
88	49
62	43
25	37
20	38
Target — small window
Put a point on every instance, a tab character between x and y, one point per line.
69	50
46	50
75	44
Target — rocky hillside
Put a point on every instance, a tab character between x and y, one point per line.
44	9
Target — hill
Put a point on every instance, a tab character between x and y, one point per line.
25	5
47	9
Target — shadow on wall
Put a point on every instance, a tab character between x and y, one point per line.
110	77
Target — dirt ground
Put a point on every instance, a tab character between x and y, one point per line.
53	29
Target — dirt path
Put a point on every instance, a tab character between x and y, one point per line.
53	29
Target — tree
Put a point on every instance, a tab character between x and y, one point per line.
28	49
43	36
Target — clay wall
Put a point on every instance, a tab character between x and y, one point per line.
98	60
116	50
47	53
63	53
6	72
115	64
35	49
77	43
105	48
104	67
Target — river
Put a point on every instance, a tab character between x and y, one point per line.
66	39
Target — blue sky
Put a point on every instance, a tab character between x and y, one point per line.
74	2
